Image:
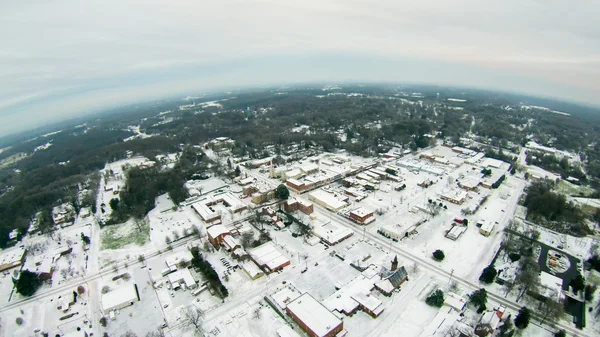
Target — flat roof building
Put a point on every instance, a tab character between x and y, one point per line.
11	258
268	257
327	200
487	227
313	317
455	197
205	212
332	232
362	216
180	257
183	276
119	298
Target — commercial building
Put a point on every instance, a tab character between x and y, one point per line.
11	258
313	317
455	232
293	204
296	185
455	302
119	298
486	227
182	277
268	257
332	232
327	200
362	216
216	234
469	184
252	270
205	208
246	181
208	214
292	174
178	258
550	286
221	143
262	196
455	197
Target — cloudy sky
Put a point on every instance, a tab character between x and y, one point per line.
60	58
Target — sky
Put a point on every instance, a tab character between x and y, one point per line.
65	58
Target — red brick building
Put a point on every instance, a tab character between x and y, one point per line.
362	216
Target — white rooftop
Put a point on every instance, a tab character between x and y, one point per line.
552	285
328	199
332	232
216	230
251	268
268	255
312	313
182	275
175	258
118	296
360	212
454	301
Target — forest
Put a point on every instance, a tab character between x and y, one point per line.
372	119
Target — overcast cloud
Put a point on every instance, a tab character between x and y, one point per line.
60	58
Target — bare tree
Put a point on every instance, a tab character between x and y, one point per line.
553	309
247	239
528	278
156	333
129	333
257	313
193	317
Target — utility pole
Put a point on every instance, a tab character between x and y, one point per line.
451	273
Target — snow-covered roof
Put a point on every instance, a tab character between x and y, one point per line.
285	296
295	182
470	182
552	285
293	173
11	257
251	268
216	230
182	275
307	168
332	232
360	212
487	226
455	232
175	258
246	181
205	212
491	162
454	301
119	297
491	318
454	195
285	331
230	241
328	199
314	315
267	255
370	302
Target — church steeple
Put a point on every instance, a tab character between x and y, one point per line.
395	263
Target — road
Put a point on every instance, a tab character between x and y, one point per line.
72	284
432	267
429	264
